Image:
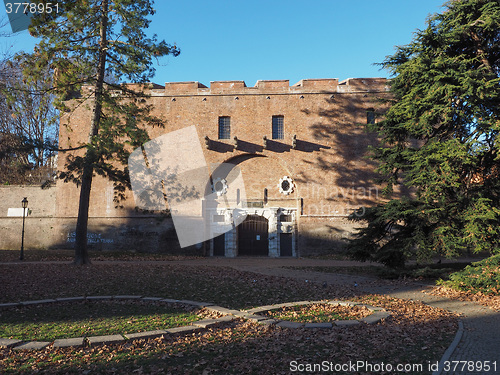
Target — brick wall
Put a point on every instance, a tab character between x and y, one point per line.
328	167
38	225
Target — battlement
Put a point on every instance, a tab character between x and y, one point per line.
327	85
262	87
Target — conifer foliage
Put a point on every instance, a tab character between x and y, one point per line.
98	44
441	139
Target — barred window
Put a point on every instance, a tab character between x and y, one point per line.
224	127
278	127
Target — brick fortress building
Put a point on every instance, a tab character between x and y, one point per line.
301	151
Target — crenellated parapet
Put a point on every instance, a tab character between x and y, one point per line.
325	85
282	86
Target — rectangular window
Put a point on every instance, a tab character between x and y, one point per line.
286	218
278	127
224	127
370	116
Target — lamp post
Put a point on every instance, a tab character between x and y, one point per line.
24	202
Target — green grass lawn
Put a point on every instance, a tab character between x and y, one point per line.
90	318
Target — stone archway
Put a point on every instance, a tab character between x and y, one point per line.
269	227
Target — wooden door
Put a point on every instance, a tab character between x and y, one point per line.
253	236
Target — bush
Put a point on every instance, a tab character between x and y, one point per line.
483	276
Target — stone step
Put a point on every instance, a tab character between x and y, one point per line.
38	302
33	345
109	339
145	335
287	324
7	343
127	297
255	318
98	298
346	323
9	305
65	343
70	299
195	303
268	322
318	325
376	317
185	329
205	323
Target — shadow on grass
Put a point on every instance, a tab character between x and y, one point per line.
427	272
65	320
415	333
242	348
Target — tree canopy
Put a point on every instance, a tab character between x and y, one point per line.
440	138
99	44
28	127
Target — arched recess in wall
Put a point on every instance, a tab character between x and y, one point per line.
223	170
259	172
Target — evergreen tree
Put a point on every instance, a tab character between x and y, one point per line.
440	138
99	43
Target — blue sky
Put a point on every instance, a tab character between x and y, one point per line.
274	39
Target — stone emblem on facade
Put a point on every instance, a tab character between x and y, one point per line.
286	185
219	186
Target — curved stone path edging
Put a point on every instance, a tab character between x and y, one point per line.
377	316
447	354
109	339
229	315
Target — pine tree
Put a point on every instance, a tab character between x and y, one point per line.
98	44
441	139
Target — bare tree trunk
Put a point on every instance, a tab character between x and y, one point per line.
481	54
81	251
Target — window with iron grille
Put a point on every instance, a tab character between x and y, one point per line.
278	127
224	127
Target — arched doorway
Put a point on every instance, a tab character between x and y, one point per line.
253	236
